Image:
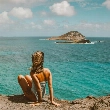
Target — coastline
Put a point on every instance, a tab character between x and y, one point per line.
19	102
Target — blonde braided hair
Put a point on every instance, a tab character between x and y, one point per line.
37	62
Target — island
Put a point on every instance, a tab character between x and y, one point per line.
71	37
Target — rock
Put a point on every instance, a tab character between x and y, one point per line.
19	102
71	37
84	41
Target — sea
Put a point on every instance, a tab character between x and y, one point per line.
78	70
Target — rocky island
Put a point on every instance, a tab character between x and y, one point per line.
71	37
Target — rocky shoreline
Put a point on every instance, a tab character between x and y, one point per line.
19	102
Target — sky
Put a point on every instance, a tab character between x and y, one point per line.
54	17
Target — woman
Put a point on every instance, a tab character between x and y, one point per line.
34	87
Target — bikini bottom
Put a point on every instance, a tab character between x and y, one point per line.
43	89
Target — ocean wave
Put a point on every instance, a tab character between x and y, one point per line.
72	43
97	42
93	42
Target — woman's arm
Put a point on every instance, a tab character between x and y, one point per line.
38	87
51	90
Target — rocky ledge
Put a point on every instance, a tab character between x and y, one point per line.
71	37
19	102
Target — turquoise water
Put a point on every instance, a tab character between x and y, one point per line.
78	70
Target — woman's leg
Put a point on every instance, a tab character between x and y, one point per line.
26	87
29	80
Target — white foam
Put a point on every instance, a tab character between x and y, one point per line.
43	39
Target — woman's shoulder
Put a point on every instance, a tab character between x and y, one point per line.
46	70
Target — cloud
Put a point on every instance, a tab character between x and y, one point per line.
43	13
107	4
93	26
63	9
49	22
66	26
20	1
4	18
21	13
34	26
12	1
26	1
9	4
83	3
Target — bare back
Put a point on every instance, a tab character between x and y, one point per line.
42	76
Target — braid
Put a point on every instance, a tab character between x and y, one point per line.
37	61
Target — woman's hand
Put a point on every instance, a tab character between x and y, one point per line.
35	104
54	103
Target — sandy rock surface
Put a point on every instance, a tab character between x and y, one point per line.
19	102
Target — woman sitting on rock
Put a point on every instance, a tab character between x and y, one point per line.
33	86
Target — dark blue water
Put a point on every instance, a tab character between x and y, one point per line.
78	70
